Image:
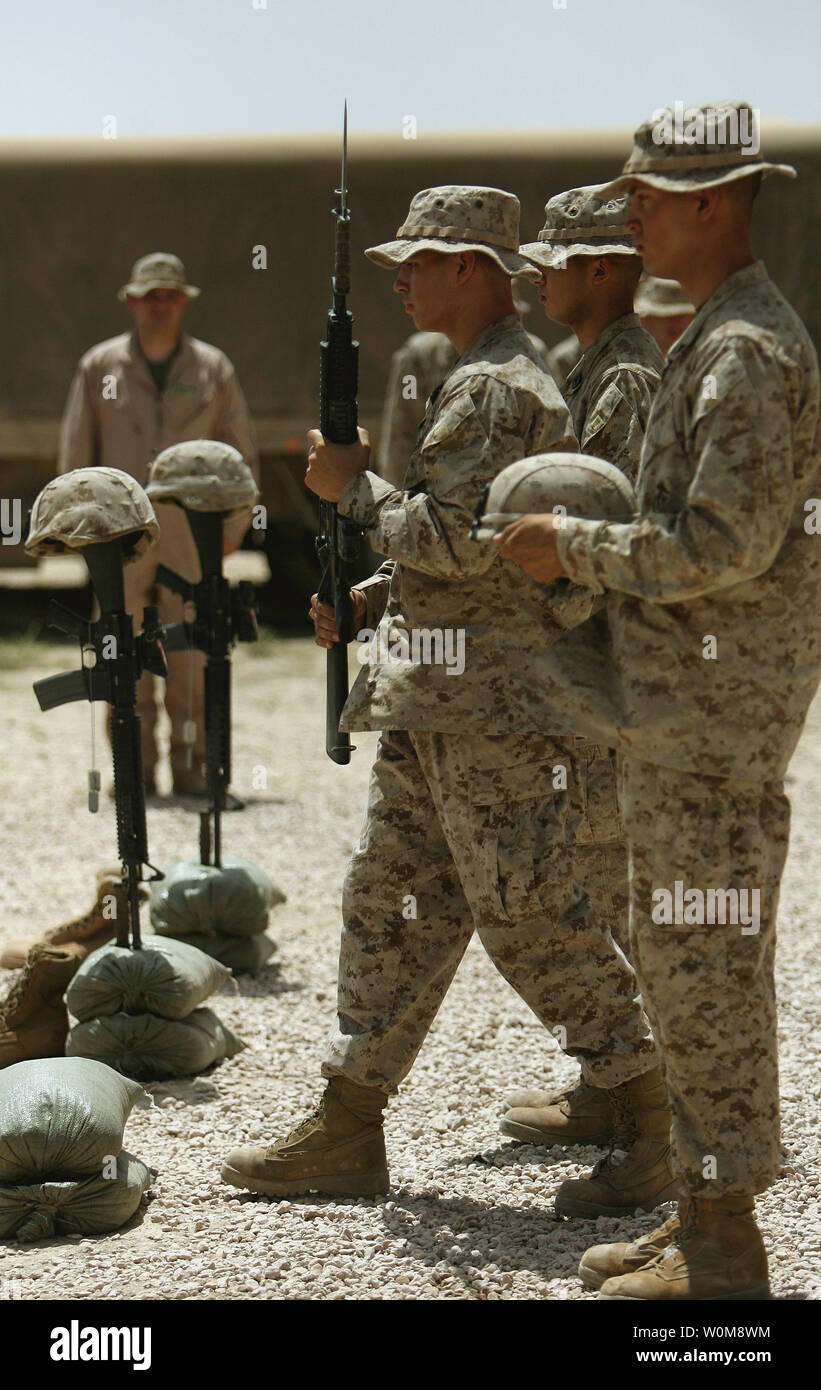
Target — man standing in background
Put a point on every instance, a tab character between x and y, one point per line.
132	396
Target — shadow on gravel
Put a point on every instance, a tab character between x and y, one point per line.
519	1154
265	982
509	1238
193	1090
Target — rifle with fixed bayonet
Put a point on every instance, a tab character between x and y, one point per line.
338	539
113	658
223	615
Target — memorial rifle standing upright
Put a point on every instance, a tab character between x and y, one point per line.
338	539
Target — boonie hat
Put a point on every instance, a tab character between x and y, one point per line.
581	222
458	217
682	149
661	299
87	506
204	475
579	484
157	271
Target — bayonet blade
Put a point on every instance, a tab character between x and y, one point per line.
344	189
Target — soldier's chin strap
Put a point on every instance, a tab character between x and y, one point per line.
223	615
113	661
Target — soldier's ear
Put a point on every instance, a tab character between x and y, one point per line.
466	266
600	271
707	202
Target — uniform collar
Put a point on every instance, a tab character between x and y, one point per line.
742	279
177	364
598	347
488	336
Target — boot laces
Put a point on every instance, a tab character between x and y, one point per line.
305	1126
18	989
625	1131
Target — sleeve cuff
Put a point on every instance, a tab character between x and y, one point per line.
375	590
362	496
575	541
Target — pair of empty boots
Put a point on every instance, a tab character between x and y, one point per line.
33	1017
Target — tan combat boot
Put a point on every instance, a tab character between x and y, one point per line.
339	1149
33	1018
580	1114
636	1173
718	1254
602	1262
91	930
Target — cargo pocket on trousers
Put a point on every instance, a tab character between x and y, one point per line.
600	821
520	817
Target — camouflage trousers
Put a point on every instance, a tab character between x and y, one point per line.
708	987
470	831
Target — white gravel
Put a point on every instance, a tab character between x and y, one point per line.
470	1214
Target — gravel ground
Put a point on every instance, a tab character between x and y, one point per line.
470	1214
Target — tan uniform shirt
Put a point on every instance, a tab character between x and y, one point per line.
417	368
116	416
714	614
562	359
610	391
497	405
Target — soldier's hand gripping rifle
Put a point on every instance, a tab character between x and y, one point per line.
223	616
338	539
114	658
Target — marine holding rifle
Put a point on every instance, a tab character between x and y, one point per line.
472	806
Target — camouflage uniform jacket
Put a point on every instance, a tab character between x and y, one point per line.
498	404
610	391
723	559
425	358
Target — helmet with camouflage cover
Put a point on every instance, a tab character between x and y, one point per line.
204	475
88	506
568	484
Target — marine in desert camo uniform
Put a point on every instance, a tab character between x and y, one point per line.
714	658
467	827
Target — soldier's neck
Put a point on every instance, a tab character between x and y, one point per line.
473	318
596	318
159	345
704	276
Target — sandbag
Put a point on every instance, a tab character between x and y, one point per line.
154	1049
166	977
241	954
198	898
61	1117
87	1206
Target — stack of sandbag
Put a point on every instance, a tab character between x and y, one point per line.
63	1168
139	1011
222	911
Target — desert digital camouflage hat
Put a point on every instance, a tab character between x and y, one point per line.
457	217
203	474
157	271
88	506
661	299
683	149
581	222
569	484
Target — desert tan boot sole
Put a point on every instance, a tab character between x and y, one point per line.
577	1206
531	1135
761	1292
328	1184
